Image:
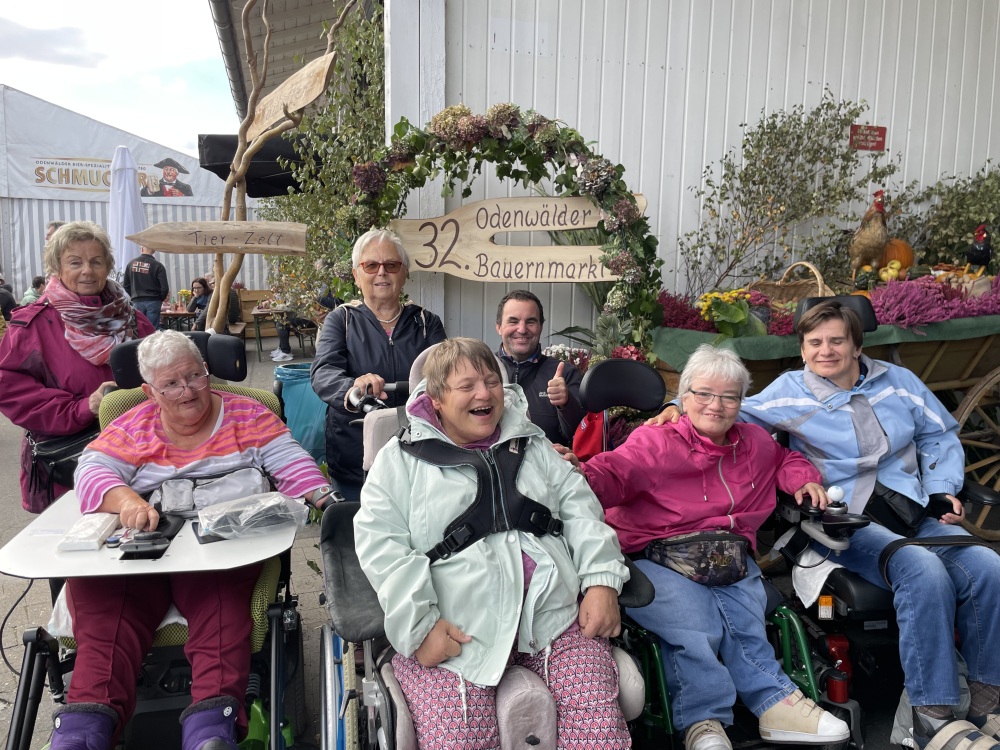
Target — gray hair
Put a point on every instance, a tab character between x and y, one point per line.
376	236
711	362
76	231
163	349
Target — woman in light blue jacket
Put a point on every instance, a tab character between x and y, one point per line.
459	609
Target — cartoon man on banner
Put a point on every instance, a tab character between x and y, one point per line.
169	186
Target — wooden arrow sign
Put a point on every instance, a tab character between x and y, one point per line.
461	242
250	237
297	91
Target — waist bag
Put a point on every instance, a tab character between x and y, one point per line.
711	558
53	461
499	506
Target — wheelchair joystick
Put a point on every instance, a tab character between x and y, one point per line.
833	526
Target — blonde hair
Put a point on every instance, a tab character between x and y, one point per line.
76	231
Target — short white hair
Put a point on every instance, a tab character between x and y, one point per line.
163	349
376	236
711	362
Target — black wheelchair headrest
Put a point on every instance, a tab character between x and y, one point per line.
857	302
226	357
622	382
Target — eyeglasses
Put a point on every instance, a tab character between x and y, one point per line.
174	390
390	266
490	383
705	398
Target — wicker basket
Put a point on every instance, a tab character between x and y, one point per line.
783	291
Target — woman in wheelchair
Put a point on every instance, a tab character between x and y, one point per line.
459	611
185	429
877	431
688	498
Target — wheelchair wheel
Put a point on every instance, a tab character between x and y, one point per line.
335	682
295	684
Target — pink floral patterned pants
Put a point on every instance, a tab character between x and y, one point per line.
583	679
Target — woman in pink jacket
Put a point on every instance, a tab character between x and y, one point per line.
54	357
686	500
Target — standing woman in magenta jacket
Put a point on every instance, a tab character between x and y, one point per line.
54	357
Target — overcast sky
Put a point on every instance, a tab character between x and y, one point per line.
150	68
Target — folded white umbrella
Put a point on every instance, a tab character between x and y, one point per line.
125	213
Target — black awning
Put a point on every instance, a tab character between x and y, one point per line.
265	178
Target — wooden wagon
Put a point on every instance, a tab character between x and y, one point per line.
959	360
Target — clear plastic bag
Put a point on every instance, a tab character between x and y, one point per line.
255	515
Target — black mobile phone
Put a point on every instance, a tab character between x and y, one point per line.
144	549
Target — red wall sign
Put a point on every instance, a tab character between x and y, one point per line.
868	137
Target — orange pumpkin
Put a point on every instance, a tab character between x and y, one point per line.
862	292
897	249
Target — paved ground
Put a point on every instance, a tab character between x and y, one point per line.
35	608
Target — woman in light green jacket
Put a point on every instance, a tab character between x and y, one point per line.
459	612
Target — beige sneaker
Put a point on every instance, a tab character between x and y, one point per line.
797	719
707	735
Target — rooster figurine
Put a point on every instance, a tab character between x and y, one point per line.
869	240
980	253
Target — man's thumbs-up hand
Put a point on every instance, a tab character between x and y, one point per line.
558	394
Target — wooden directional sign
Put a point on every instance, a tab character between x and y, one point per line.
461	243
250	237
296	91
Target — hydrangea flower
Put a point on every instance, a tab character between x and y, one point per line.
623	214
503	119
369	178
444	125
596	175
472	129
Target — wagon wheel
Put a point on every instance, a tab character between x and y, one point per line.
978	418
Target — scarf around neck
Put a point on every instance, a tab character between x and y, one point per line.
94	329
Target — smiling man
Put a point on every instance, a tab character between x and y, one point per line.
552	387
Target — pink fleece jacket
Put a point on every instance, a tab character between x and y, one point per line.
669	480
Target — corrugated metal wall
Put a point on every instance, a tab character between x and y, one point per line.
27	219
663	85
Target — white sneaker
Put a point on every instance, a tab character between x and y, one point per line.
276	352
282	357
798	720
707	735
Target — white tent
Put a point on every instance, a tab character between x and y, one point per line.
56	165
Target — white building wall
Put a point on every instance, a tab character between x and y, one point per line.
662	86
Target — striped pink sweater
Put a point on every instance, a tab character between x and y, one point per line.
134	451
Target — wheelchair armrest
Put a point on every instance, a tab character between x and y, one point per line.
351	601
978	494
638	590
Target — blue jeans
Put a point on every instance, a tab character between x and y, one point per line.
699	624
933	589
149	308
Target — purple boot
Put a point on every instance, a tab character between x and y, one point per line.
210	725
83	726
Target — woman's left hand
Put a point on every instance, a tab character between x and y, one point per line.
816	494
958	514
600	616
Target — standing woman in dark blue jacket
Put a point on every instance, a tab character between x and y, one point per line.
365	344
